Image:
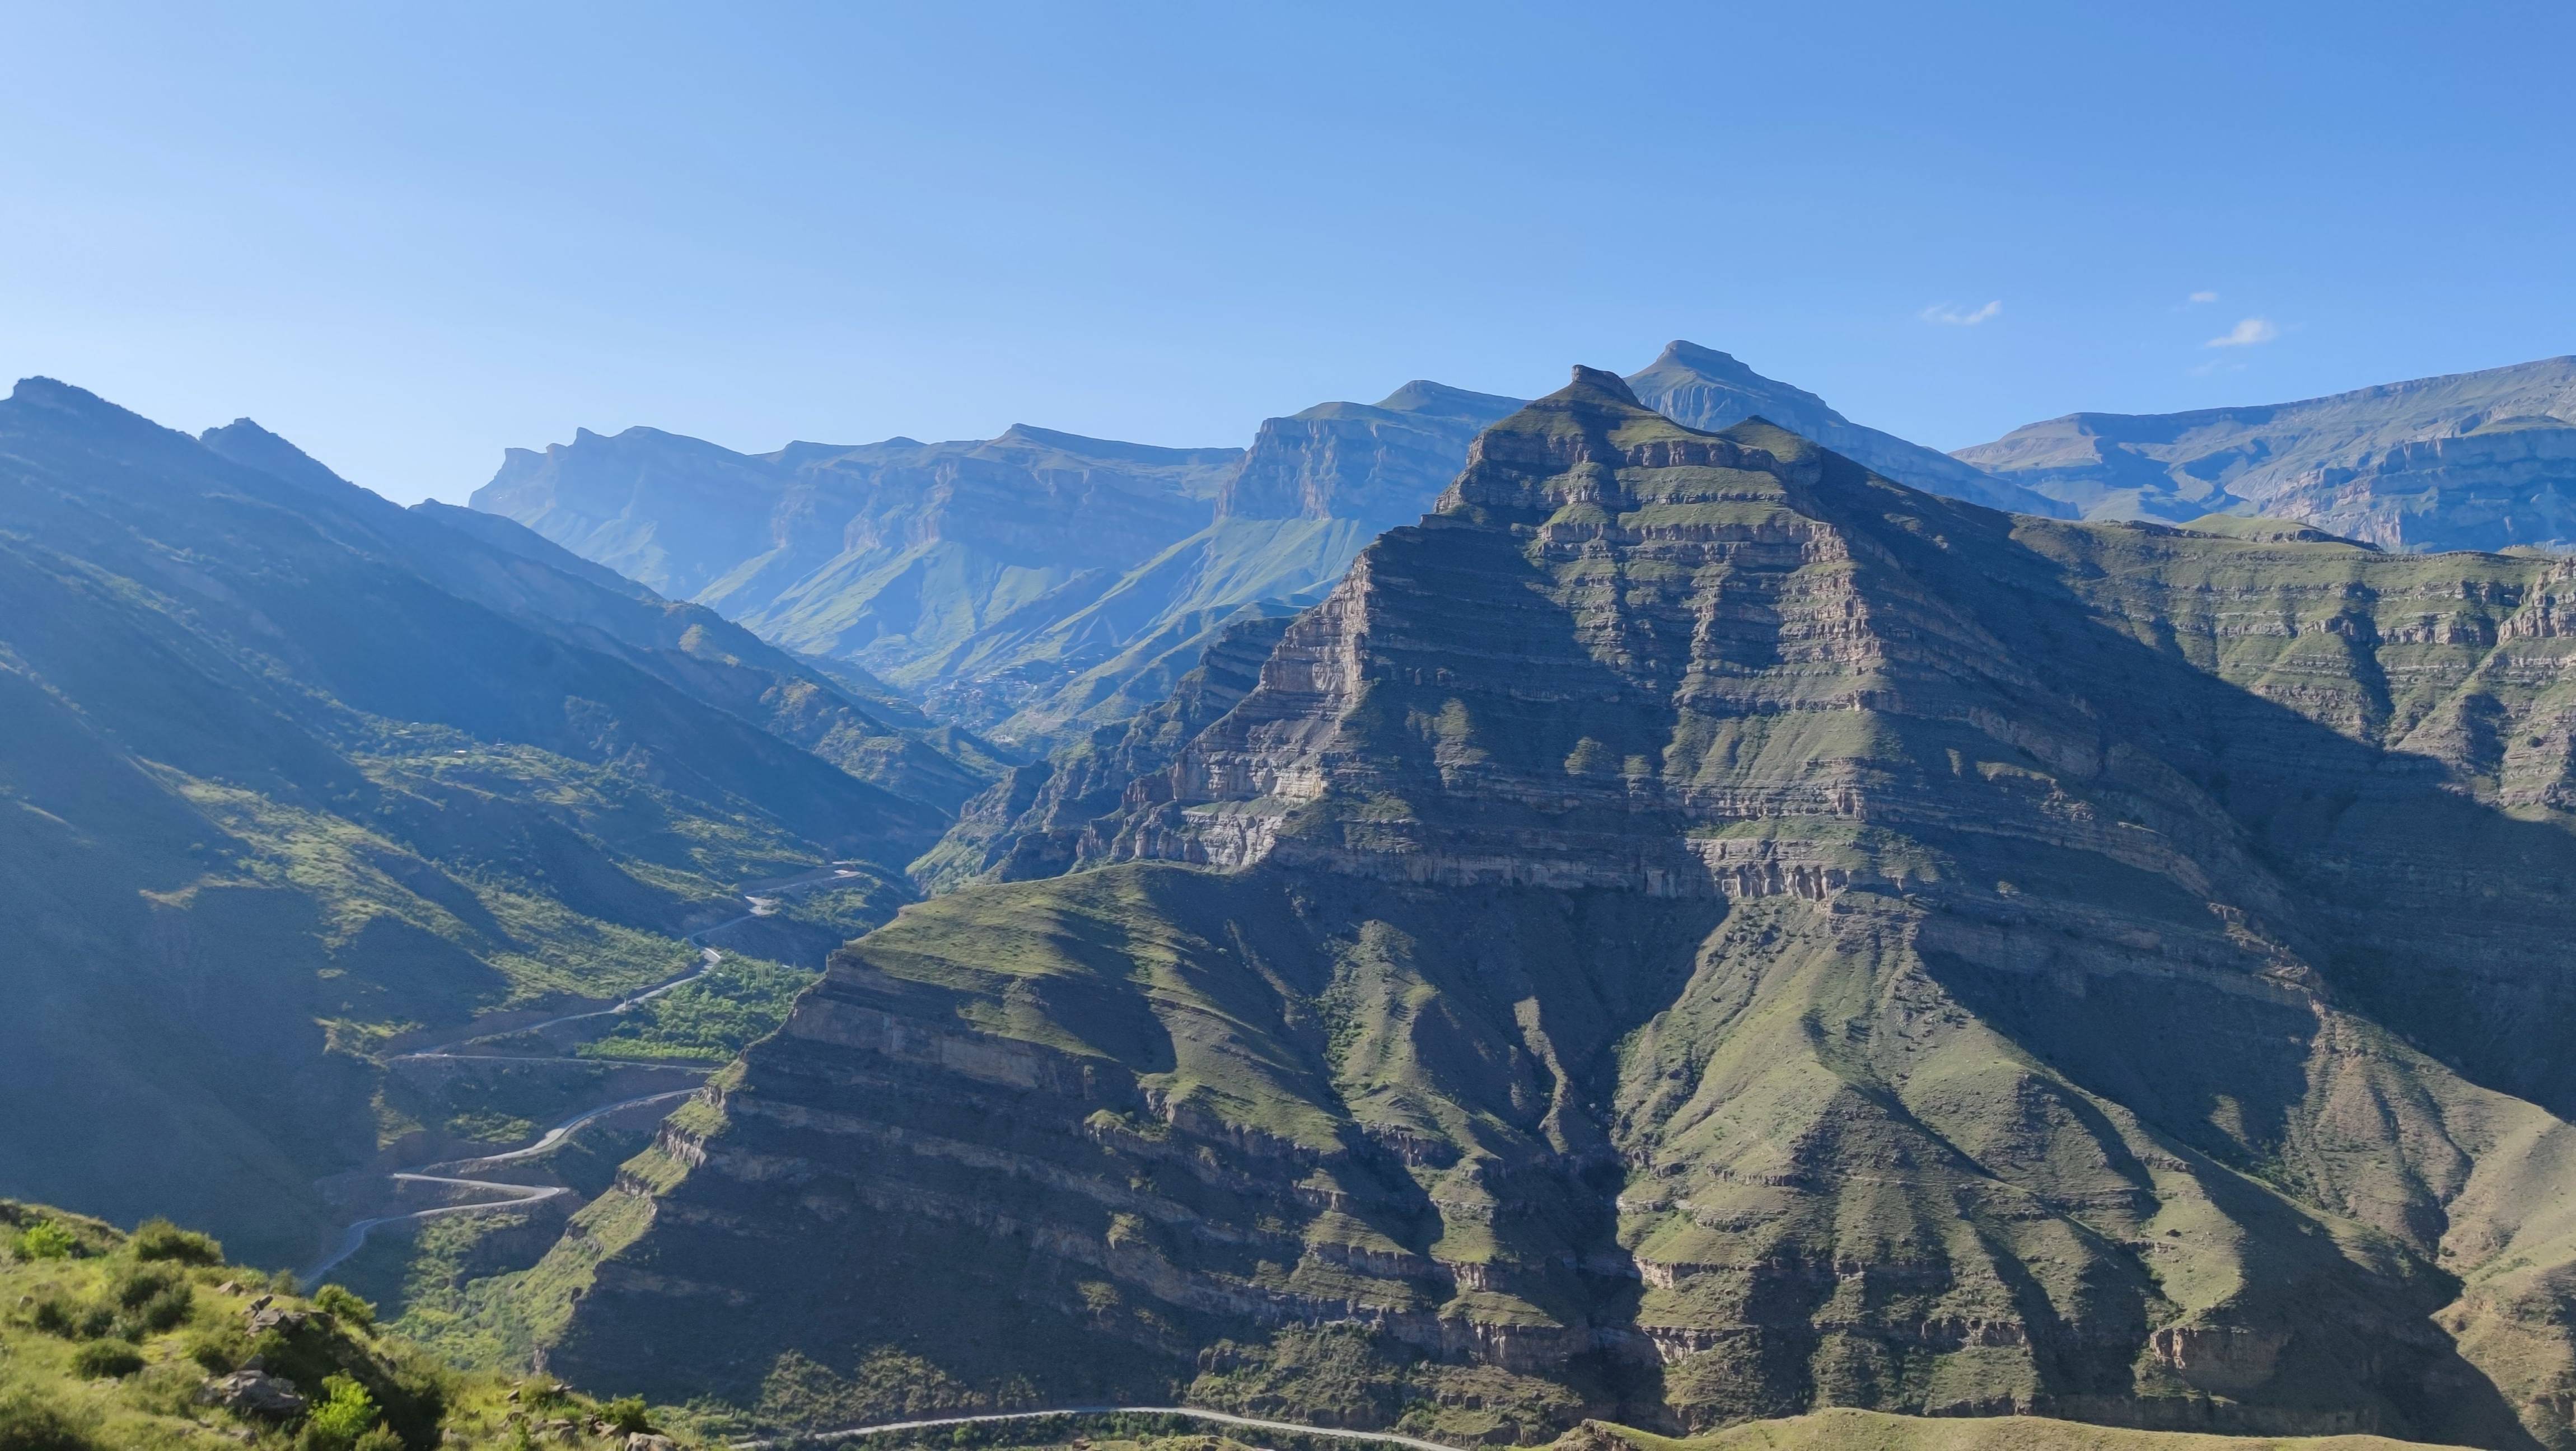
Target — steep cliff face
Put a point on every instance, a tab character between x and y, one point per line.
1698	930
2482	460
1379	464
887	554
1313	490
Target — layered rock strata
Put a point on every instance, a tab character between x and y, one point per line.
1703	931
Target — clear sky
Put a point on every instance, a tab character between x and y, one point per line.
409	235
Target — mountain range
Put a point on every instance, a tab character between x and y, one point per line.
1041	585
292	772
1656	903
1694	929
2481	460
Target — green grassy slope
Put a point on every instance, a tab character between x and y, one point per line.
114	1343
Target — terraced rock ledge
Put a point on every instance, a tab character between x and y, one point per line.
1696	932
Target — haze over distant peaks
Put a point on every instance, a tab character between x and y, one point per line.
1041	583
2482	460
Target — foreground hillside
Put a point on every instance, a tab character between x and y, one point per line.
110	1342
291	773
1692	932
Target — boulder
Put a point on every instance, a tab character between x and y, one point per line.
253	1393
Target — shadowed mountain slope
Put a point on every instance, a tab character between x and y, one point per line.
2480	460
290	769
1698	931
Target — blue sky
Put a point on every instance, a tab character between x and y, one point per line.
408	236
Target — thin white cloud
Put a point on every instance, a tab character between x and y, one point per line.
1944	313
2246	334
2199	297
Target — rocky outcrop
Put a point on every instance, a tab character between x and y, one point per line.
253	1393
1703	927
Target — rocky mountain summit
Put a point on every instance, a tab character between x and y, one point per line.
1696	930
2482	460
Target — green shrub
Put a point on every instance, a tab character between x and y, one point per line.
626	1413
219	1353
45	1240
346	1413
59	1314
341	1303
30	1423
107	1358
159	1239
54	1315
166	1311
382	1438
136	1286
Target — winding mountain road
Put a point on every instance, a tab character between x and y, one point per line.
763	901
1221	1418
355	1236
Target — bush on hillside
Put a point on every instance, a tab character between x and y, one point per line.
44	1240
626	1413
219	1352
343	1304
135	1286
60	1314
159	1239
31	1423
106	1358
346	1413
154	1297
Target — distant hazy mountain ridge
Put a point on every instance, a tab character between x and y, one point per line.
2483	460
1041	584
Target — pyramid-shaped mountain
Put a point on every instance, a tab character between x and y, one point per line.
1695	930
